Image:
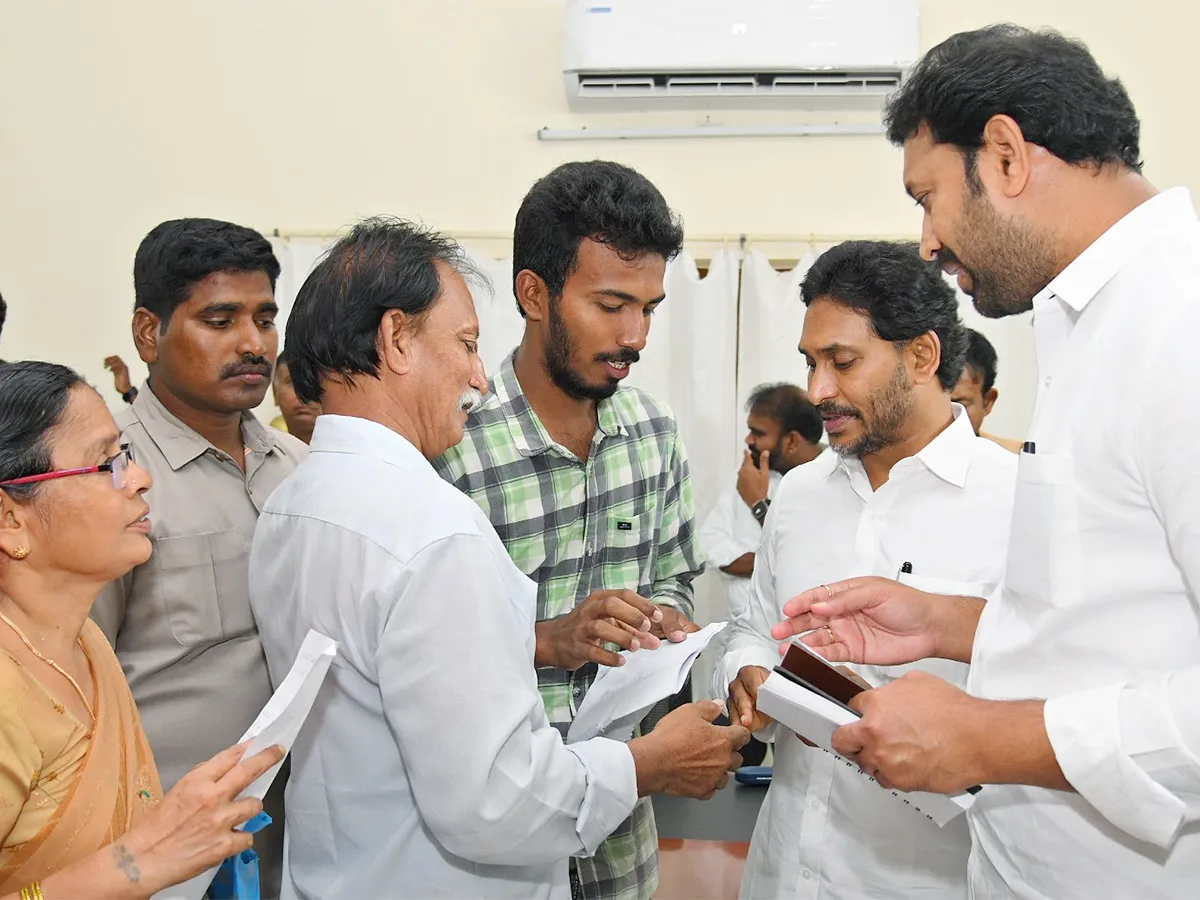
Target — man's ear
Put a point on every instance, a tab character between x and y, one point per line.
147	329
533	296
989	400
1005	160
925	353
790	443
395	341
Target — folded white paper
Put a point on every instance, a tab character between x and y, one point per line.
816	718
278	723
621	696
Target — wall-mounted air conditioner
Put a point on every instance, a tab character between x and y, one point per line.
626	55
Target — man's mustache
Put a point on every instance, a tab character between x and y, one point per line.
831	410
250	365
628	356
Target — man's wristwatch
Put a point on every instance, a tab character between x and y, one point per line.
130	395
759	510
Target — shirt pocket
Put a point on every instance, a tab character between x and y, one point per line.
628	551
204	583
1044	563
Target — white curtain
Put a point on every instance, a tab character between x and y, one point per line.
297	258
1017	372
772	317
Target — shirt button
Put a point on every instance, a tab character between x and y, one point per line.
816	804
806	874
577	692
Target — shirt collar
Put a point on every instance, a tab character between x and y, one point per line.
364	437
1089	272
180	444
528	433
948	456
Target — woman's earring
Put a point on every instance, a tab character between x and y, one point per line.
20	553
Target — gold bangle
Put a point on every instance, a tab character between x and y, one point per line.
32	891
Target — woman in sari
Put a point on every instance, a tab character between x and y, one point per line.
81	810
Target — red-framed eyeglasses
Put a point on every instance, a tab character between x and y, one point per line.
118	465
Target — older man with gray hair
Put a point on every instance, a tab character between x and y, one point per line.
429	768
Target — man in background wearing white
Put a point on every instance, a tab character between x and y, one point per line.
783	430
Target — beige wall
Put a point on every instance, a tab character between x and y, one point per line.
298	114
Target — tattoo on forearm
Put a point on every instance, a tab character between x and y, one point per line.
126	863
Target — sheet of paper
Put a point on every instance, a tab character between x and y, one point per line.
278	723
804	712
621	696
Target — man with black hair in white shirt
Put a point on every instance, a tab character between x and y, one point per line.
1080	719
909	487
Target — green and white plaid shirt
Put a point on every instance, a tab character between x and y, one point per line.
623	519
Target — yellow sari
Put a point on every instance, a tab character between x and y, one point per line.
67	791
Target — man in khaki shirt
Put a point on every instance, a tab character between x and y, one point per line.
181	623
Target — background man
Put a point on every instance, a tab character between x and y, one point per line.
181	623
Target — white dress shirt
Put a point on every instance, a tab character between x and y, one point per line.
427	768
1099	607
729	532
825	831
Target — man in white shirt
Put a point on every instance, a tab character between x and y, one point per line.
428	767
909	488
783	430
1081	719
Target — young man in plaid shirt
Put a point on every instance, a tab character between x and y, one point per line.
586	481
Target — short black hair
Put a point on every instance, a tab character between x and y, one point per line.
383	263
902	295
1049	84
33	400
981	359
3	312
604	201
788	404
177	254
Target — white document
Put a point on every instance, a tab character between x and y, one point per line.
278	723
621	696
807	713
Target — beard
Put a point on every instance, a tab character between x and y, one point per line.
1020	262
560	350
775	463
888	408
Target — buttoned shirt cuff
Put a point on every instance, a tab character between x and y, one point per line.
1104	758
611	791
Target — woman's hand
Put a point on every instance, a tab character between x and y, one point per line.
193	828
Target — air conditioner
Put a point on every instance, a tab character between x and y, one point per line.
641	55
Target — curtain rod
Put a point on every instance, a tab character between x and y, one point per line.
812	237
